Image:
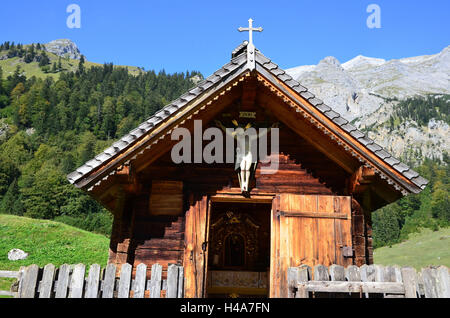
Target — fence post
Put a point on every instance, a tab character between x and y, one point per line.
30	282
172	281
352	273
140	280
77	281
46	285
337	272
429	283
180	282
20	277
443	281
303	277
155	283
367	274
409	282
321	272
93	281
125	281
62	282
292	281
109	281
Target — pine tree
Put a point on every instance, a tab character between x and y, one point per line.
81	65
9	204
30	54
44	60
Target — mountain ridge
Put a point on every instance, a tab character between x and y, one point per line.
367	91
64	48
364	90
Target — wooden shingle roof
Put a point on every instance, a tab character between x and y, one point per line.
267	68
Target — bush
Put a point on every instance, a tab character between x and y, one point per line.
100	223
45	69
429	209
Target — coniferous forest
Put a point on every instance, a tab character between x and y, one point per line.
50	127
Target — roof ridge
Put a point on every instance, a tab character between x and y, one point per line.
152	121
239	49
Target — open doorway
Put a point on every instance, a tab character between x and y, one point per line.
238	250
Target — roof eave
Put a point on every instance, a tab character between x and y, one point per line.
92	176
272	71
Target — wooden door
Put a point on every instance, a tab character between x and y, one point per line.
195	250
308	229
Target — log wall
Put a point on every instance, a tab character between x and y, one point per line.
147	237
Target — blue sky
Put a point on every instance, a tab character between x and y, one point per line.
200	35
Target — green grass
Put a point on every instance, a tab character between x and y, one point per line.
32	69
48	242
29	69
420	250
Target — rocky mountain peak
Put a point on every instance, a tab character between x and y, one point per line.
64	48
361	61
367	90
330	60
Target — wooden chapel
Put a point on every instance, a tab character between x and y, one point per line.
315	209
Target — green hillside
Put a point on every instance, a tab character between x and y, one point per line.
49	242
9	66
420	250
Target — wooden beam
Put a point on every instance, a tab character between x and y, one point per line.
237	197
129	179
361	180
314	215
300	126
352	287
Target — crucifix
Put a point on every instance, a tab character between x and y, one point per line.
250	30
250	46
246	159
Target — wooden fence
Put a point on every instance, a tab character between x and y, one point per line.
70	281
368	281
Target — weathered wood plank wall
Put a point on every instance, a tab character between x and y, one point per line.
308	229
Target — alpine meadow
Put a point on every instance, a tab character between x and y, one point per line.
51	125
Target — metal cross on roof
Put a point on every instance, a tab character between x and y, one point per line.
250	47
250	30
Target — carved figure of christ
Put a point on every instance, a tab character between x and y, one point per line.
246	154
